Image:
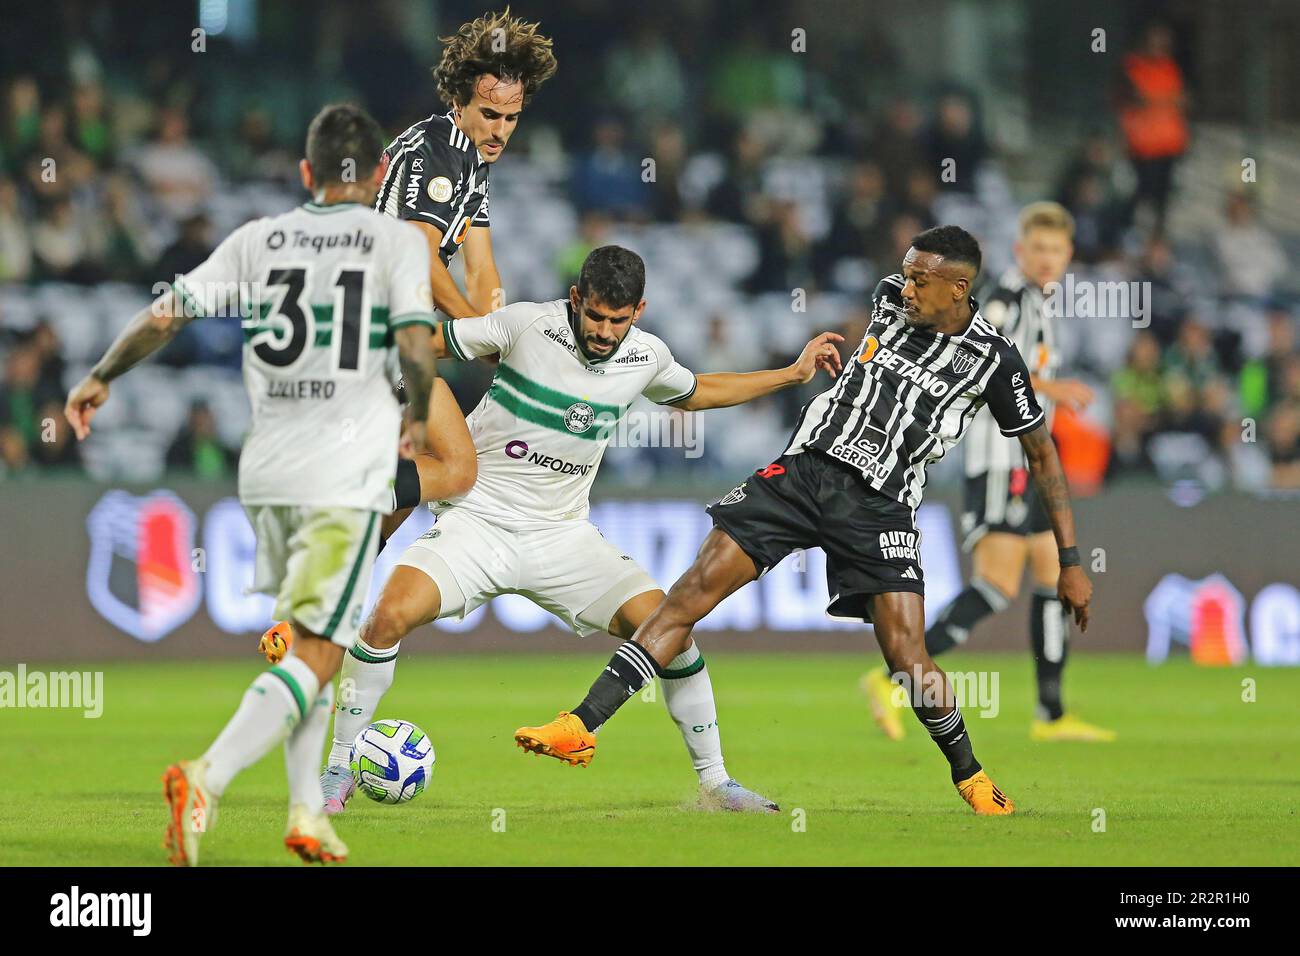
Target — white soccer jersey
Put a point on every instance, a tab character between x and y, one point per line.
542	428
1016	308
320	291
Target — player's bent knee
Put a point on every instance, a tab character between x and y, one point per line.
388	624
409	599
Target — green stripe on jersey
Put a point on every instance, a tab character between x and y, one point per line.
449	337
549	396
380	335
521	407
412	318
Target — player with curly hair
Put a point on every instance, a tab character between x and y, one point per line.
437	174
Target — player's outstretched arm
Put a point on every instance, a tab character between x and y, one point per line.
149	331
723	389
1073	587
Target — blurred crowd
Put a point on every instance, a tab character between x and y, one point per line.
766	193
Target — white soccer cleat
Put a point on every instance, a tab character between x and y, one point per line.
311	837
732	796
338	785
192	808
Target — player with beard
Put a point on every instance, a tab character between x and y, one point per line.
570	370
850	481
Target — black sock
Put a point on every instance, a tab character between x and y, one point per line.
406	486
953	625
940	715
949	732
630	669
1049	630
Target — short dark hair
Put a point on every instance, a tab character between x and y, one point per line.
339	133
507	47
954	243
614	275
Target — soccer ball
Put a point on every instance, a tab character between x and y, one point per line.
391	761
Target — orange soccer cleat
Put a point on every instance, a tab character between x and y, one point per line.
191	809
276	642
311	837
984	796
564	738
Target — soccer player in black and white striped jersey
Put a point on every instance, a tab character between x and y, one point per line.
1003	522
849	482
436	178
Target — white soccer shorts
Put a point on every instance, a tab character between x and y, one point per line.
567	568
316	563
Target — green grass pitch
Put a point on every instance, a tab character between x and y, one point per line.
1198	776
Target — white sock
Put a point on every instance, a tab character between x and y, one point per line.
272	707
366	676
302	755
690	703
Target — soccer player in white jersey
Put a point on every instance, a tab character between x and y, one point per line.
1004	523
326	294
569	371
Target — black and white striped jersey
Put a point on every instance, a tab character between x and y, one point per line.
435	175
909	394
1015	307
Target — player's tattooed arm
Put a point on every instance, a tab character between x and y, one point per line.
1073	587
1049	479
145	334
419	363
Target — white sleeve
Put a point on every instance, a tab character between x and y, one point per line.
213	287
410	296
495	332
673	382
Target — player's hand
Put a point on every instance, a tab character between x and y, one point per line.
820	353
83	402
1075	591
1071	393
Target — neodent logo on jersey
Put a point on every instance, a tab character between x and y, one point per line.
519	449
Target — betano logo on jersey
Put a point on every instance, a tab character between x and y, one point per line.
873	351
140	575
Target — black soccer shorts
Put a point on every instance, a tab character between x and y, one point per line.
809	500
1002	499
